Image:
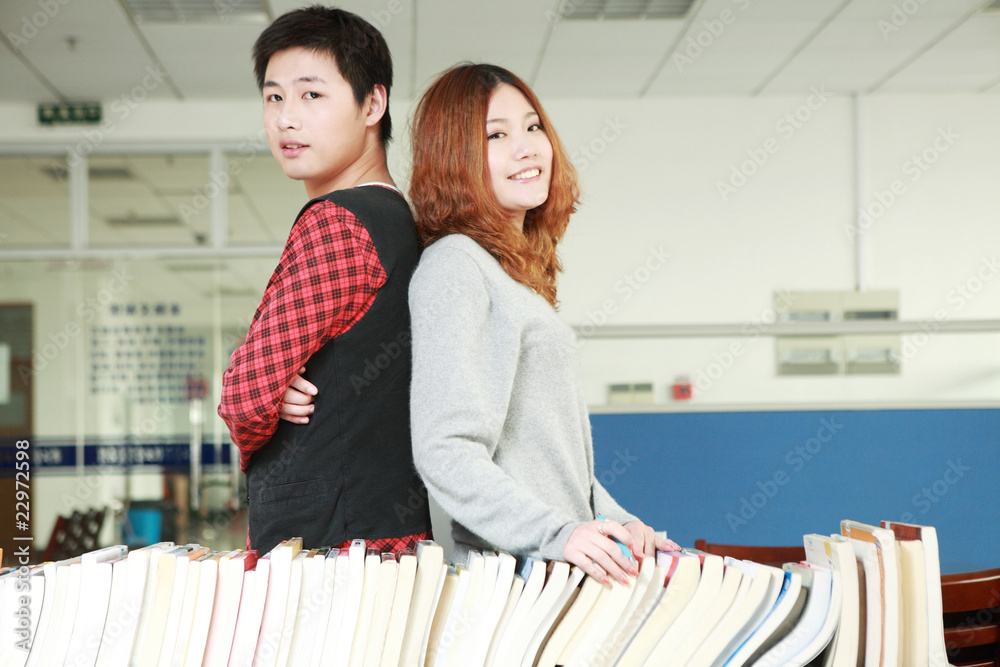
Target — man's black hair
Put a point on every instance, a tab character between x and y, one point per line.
358	48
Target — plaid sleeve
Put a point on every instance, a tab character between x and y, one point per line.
325	282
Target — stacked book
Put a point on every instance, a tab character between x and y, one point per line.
868	596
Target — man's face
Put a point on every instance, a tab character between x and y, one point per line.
315	128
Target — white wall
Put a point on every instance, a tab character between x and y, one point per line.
650	171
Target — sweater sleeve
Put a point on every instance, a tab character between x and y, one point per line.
608	506
464	362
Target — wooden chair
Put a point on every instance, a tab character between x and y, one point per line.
971	603
774	556
74	535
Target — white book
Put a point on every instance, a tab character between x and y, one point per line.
913	615
190	651
516	587
550	605
724	629
774	580
323	618
272	623
22	603
606	616
387	572
359	644
514	642
314	605
171	572
250	614
775	625
811	632
482	566
498	597
757	584
732	577
24	637
455	622
182	570
92	607
339	654
683	573
439	611
639	589
63	616
122	624
651	587
156	552
926	536
580	601
174	655
38	638
836	553
338	605
398	616
480	594
116	603
886	577
888	561
227	600
291	609
430	563
687	625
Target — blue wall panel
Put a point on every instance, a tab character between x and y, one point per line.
771	477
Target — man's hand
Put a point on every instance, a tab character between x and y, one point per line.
297	401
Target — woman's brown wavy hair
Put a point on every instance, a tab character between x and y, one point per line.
450	184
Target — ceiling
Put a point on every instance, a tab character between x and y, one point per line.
84	50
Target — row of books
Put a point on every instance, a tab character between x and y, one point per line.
869	596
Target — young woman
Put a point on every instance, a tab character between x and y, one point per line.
500	429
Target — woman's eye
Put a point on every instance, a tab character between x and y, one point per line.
312	96
495	135
535	127
273	98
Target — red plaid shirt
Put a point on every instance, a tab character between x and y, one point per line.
325	282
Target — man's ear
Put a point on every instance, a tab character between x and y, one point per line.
375	105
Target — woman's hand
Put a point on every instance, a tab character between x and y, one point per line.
645	542
590	546
297	401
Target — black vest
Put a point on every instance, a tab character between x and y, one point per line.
349	473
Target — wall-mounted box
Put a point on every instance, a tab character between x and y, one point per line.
842	354
809	355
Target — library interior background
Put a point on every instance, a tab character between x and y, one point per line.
783	273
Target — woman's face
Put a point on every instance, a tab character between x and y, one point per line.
519	153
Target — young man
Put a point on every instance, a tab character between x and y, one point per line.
326	451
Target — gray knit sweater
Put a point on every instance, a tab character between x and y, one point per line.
501	434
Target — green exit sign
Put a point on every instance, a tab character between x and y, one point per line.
69	112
